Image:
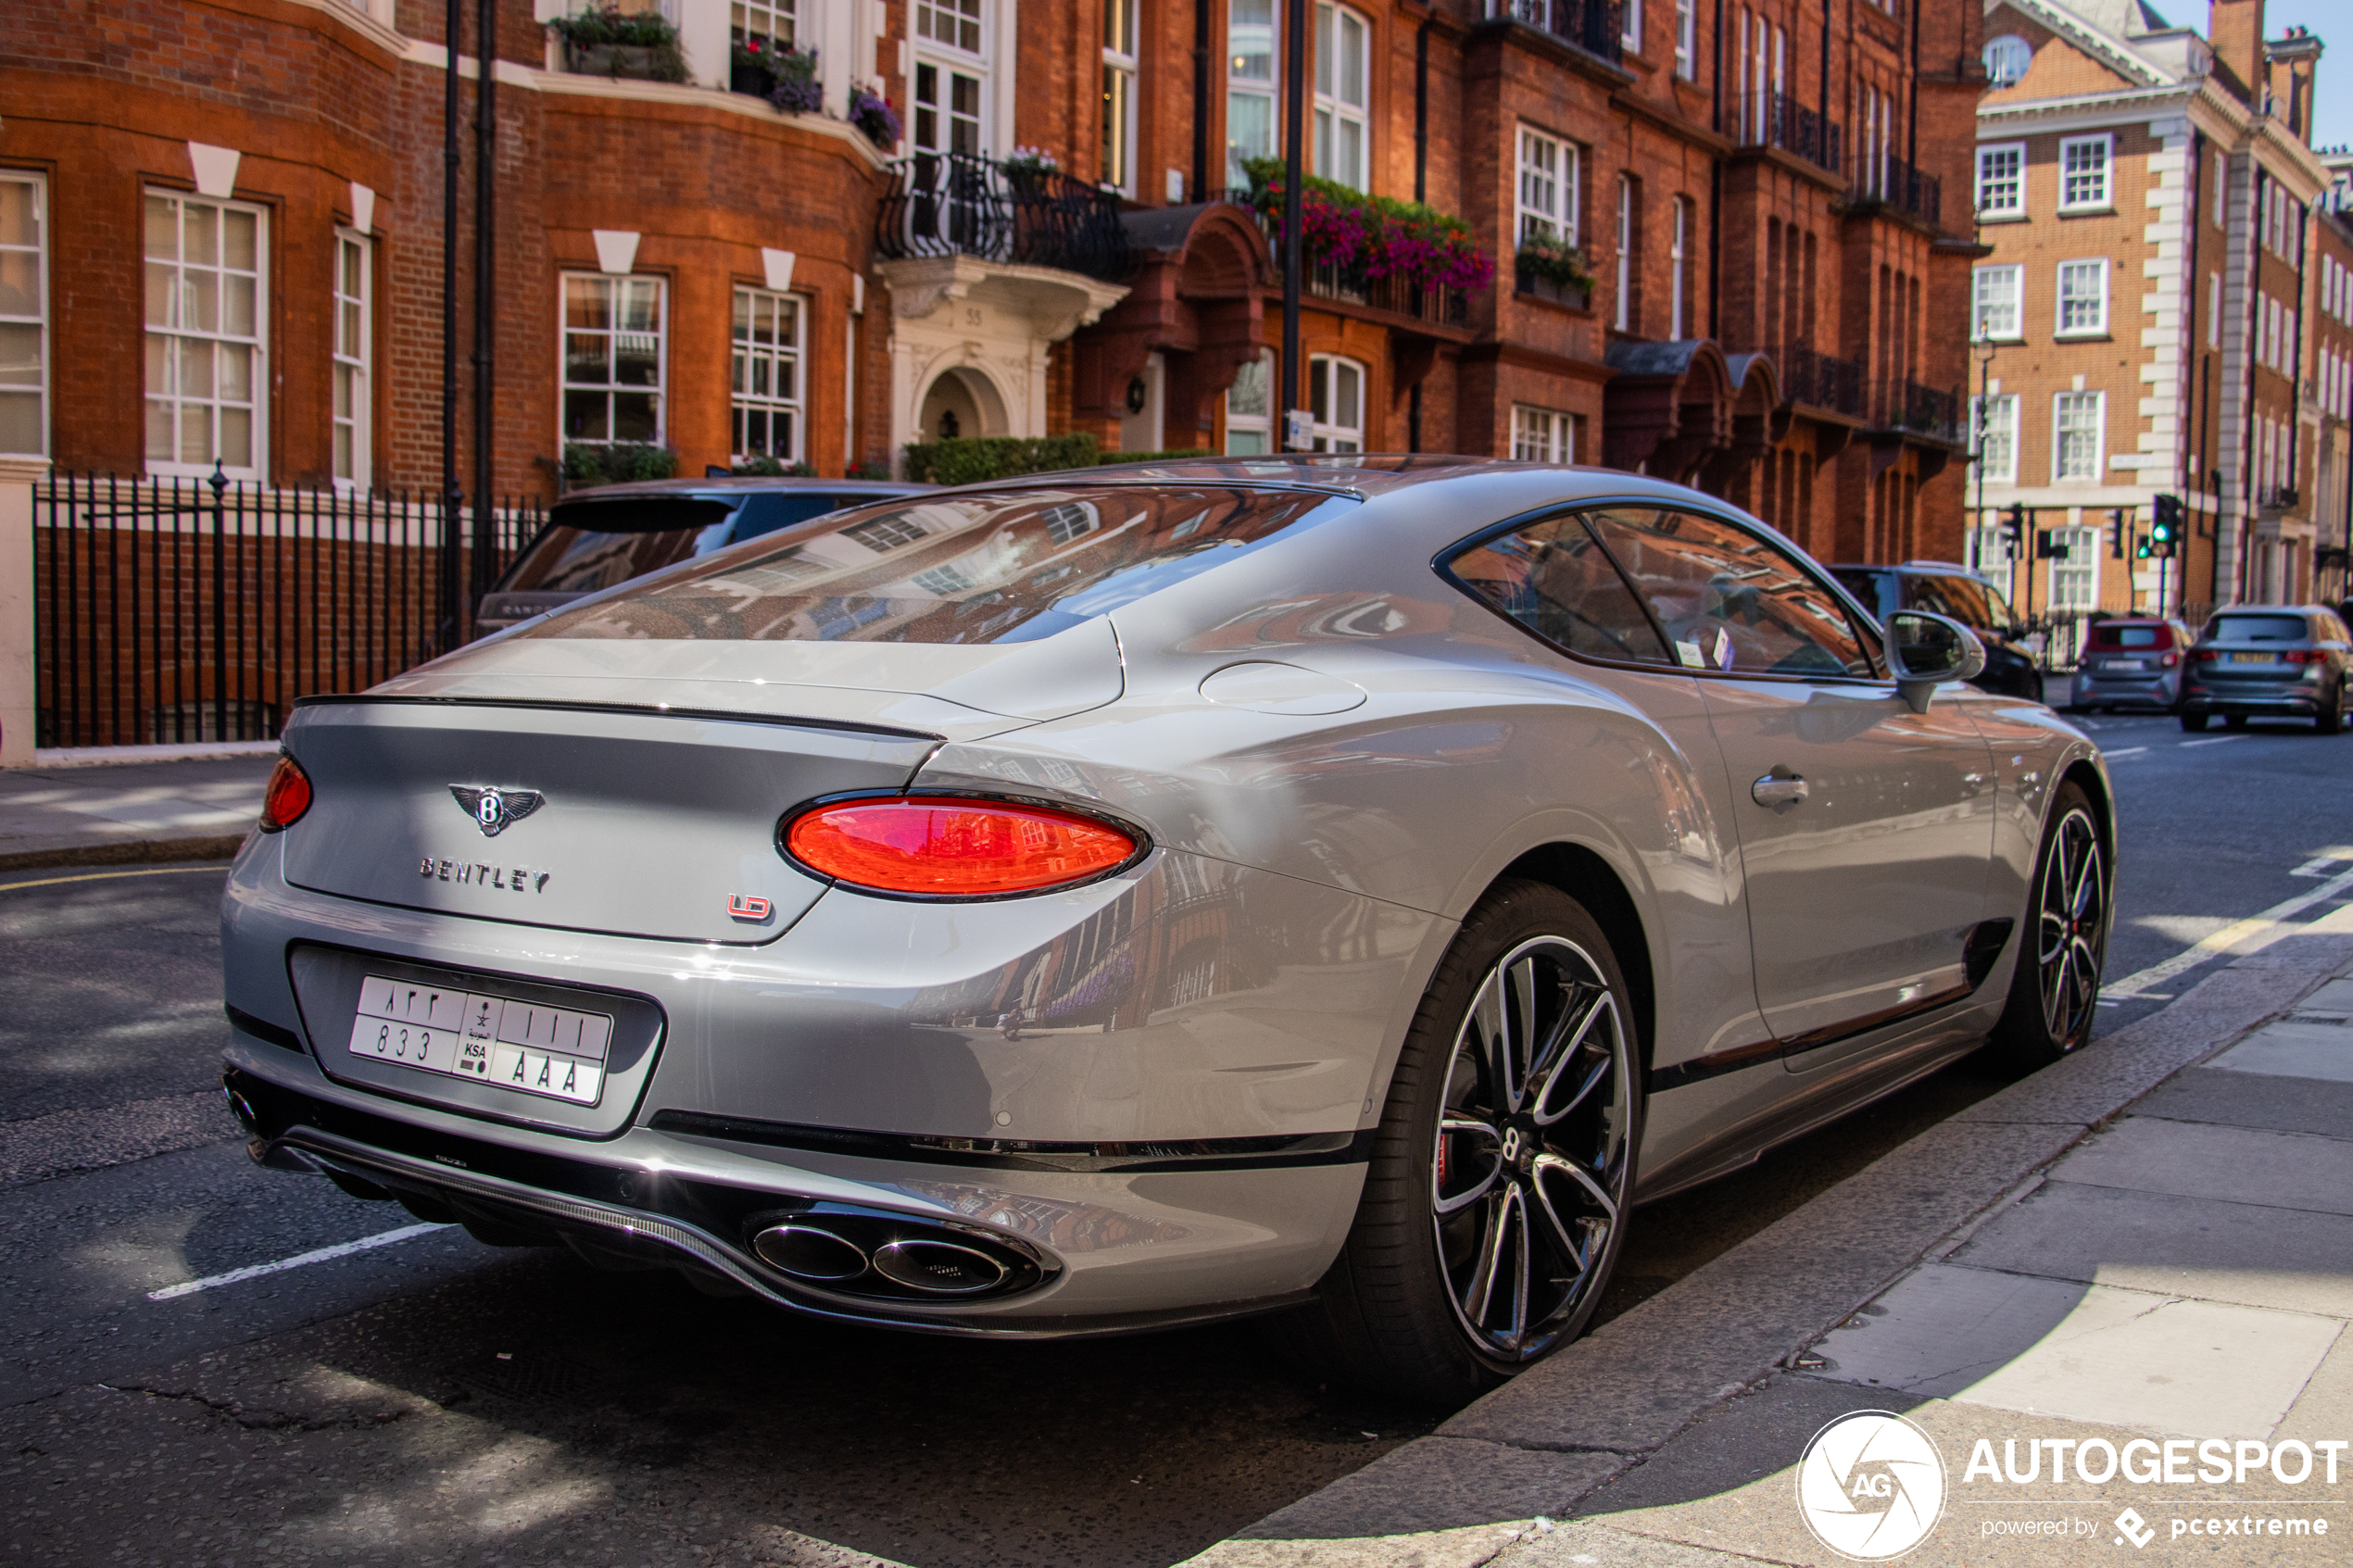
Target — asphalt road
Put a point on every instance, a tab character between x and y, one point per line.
431	1399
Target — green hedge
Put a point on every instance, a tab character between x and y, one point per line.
975	459
593	463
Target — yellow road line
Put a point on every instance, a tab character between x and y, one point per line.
102	876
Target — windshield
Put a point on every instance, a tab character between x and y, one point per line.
2255	629
602	542
2113	636
1961	598
999	568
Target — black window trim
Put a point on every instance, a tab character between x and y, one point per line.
1864	629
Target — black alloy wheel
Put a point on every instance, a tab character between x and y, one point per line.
1496	1199
2056	988
2330	720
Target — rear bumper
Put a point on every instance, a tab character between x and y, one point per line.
2209	700
2125	690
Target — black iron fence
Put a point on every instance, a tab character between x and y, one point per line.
1395	294
1598	27
960	204
1931	413
186	611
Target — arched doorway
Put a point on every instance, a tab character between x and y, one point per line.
960	402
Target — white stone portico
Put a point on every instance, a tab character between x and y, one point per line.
970	337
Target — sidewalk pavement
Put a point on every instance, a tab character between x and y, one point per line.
71	810
2152	1240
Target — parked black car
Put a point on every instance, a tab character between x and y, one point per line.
598	539
2283	661
1944	588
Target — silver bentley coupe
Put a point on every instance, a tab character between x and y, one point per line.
1337	890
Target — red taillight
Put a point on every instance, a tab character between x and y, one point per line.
2172	659
2304	655
2205	655
286	797
954	848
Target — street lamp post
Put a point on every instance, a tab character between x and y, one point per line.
1982	344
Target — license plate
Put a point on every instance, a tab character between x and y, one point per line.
2252	658
528	1047
2123	664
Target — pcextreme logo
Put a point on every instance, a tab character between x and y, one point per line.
1871	1486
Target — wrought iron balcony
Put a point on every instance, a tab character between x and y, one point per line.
1446	306
2276	499
1598	27
1931	413
1776	120
1899	185
1823	381
960	204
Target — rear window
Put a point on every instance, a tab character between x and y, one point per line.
2107	635
1864	586
966	568
1961	598
2257	629
591	545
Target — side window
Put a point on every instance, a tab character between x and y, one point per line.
1554	580
1726	599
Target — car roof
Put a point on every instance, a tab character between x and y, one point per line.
1364	474
749	484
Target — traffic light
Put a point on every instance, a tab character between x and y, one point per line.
2167	528
2014	526
2048	547
2116	526
2143	548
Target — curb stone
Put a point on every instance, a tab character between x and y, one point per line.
1599	1408
126	852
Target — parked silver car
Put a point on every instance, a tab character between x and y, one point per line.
1335	888
2130	663
2266	661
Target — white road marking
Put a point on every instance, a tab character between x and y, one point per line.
2238	931
2316	867
324	1254
2218	740
109	876
2126	751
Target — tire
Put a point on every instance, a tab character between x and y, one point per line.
2235	721
2329	720
2194	721
2062	947
1469	1186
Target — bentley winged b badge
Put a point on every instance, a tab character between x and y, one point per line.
494	810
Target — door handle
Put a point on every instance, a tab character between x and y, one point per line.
1771	791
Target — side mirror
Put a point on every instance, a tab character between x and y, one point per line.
1924	651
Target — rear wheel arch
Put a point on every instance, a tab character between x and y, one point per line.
2085	777
1585	876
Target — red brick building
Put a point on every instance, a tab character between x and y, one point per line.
231	210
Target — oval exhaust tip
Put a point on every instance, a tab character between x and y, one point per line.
806	1252
939	1267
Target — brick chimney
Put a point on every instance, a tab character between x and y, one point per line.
2237	32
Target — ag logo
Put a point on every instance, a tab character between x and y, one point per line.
1871	1485
495	810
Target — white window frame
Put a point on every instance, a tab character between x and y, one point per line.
945	24
38	317
2222	189
565	385
785	363
2091	311
2074	583
1243	422
951	57
1988	550
1985	286
2014	179
1623	311
2022	54
1241	35
1547	189
2105	198
257	345
1543	436
1326	374
1677	250
1686	38
775	20
2214	311
1121	54
1631	37
1342	31
351	344
1996	416
2061	434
